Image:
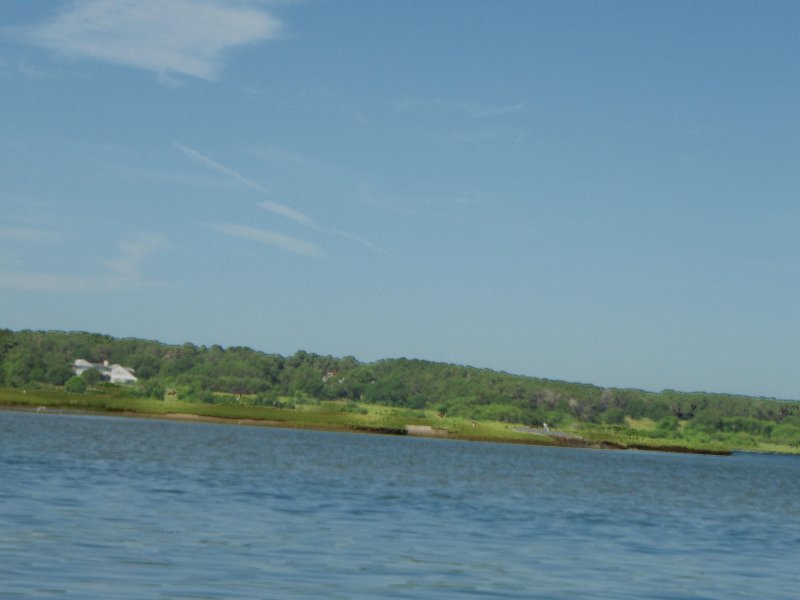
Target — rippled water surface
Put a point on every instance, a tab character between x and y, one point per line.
100	507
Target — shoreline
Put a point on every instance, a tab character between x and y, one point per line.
553	438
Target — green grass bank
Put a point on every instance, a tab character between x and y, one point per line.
358	418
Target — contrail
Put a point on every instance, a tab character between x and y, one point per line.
214	165
274	207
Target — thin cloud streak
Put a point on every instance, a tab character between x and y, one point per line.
285	157
26	234
132	253
355	238
474	110
123	272
275	207
46	282
264	236
184	37
289	213
220	168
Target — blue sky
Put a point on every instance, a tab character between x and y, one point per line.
596	192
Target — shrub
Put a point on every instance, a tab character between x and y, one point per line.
91	377
75	385
613	416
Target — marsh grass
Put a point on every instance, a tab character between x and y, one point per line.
338	415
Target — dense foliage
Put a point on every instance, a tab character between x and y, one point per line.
242	375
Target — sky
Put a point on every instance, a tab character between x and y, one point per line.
600	192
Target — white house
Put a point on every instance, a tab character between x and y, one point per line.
113	373
120	374
81	365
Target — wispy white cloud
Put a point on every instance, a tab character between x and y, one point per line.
289	213
220	168
122	272
272	238
47	282
26	234
490	135
36	72
274	207
484	111
291	159
179	37
277	208
435	105
132	253
460	200
356	238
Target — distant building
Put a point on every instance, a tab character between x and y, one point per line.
113	373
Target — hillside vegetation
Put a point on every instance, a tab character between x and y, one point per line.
244	377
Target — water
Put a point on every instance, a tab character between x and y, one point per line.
100	507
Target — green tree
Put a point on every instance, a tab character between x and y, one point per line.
613	416
58	374
75	385
91	377
145	365
389	391
668	423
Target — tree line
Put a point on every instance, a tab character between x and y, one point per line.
239	374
